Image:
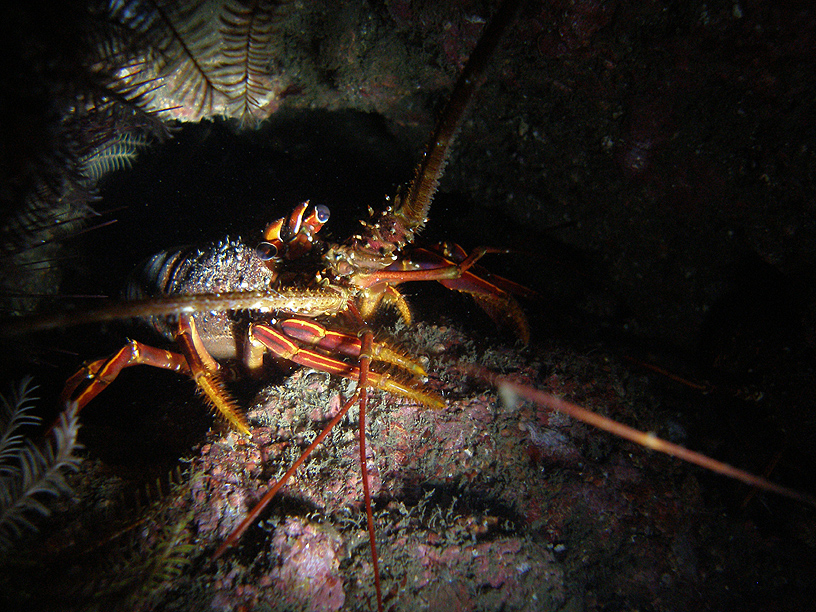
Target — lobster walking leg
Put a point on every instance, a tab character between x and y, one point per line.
359	394
285	347
317	335
92	379
204	370
457	270
194	360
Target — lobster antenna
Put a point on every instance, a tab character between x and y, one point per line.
414	206
290	301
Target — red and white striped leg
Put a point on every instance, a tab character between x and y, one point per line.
286	347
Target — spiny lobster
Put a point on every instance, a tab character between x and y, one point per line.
306	283
192	295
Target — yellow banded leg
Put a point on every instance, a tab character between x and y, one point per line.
204	370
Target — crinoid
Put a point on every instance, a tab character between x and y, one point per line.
30	473
124	69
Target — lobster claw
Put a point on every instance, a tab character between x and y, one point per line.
493	293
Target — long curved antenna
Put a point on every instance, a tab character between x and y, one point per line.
291	301
414	205
365	360
513	389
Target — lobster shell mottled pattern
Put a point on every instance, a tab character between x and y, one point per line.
227	266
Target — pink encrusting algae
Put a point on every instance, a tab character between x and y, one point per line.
479	506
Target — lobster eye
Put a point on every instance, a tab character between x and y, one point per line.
266	251
321	213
